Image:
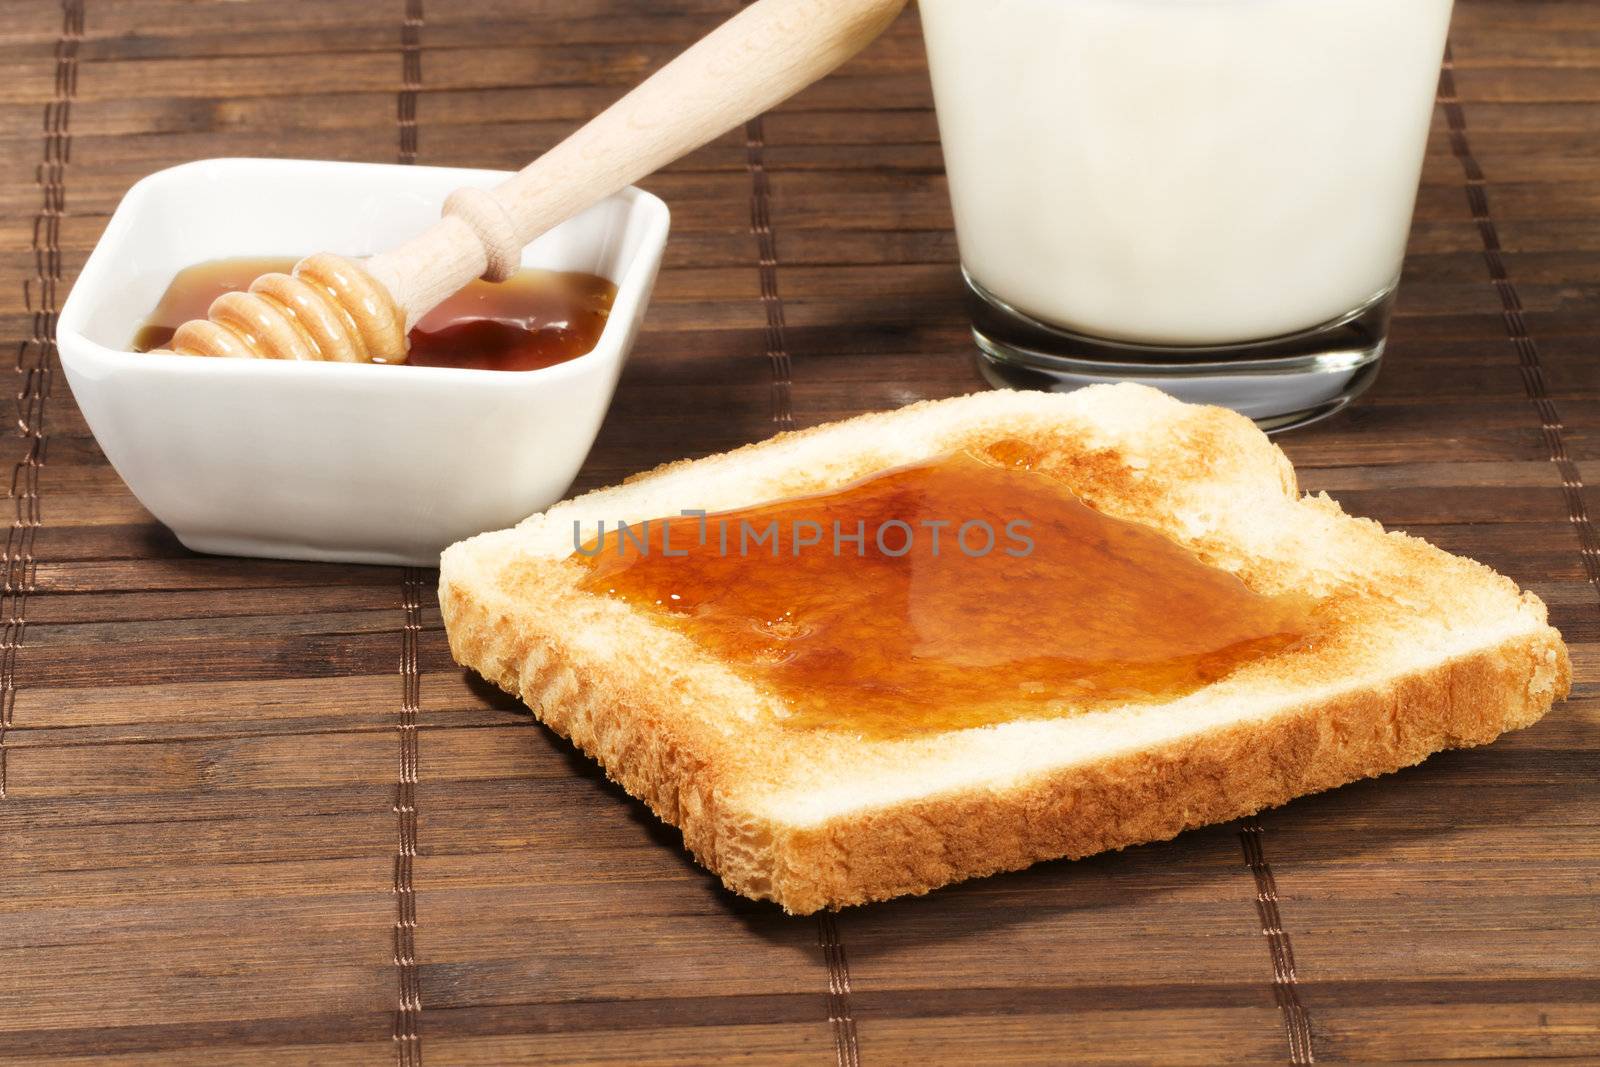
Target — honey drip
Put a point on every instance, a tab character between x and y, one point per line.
1100	611
532	320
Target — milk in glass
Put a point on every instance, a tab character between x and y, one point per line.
1184	172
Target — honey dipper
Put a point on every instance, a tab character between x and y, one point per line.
333	308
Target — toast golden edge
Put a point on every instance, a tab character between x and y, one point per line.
612	713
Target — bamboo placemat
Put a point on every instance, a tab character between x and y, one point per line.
252	812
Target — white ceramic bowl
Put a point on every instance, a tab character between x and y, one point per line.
334	461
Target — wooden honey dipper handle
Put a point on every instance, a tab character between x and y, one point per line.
339	309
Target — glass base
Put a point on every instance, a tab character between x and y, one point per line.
1280	382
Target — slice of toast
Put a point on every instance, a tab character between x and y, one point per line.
1417	651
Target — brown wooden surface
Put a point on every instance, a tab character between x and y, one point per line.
211	794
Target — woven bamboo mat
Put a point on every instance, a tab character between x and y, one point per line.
252	813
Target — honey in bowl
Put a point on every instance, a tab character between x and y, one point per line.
1068	611
534	319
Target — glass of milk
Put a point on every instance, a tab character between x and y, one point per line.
1208	196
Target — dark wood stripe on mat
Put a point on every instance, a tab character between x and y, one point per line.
411	79
1512	314
755	141
413	585
1296	1021
407	1021
846	1049
35	358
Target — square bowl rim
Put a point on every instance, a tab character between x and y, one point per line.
77	350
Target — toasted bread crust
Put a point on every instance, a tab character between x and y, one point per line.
1155	795
707	752
1080	810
